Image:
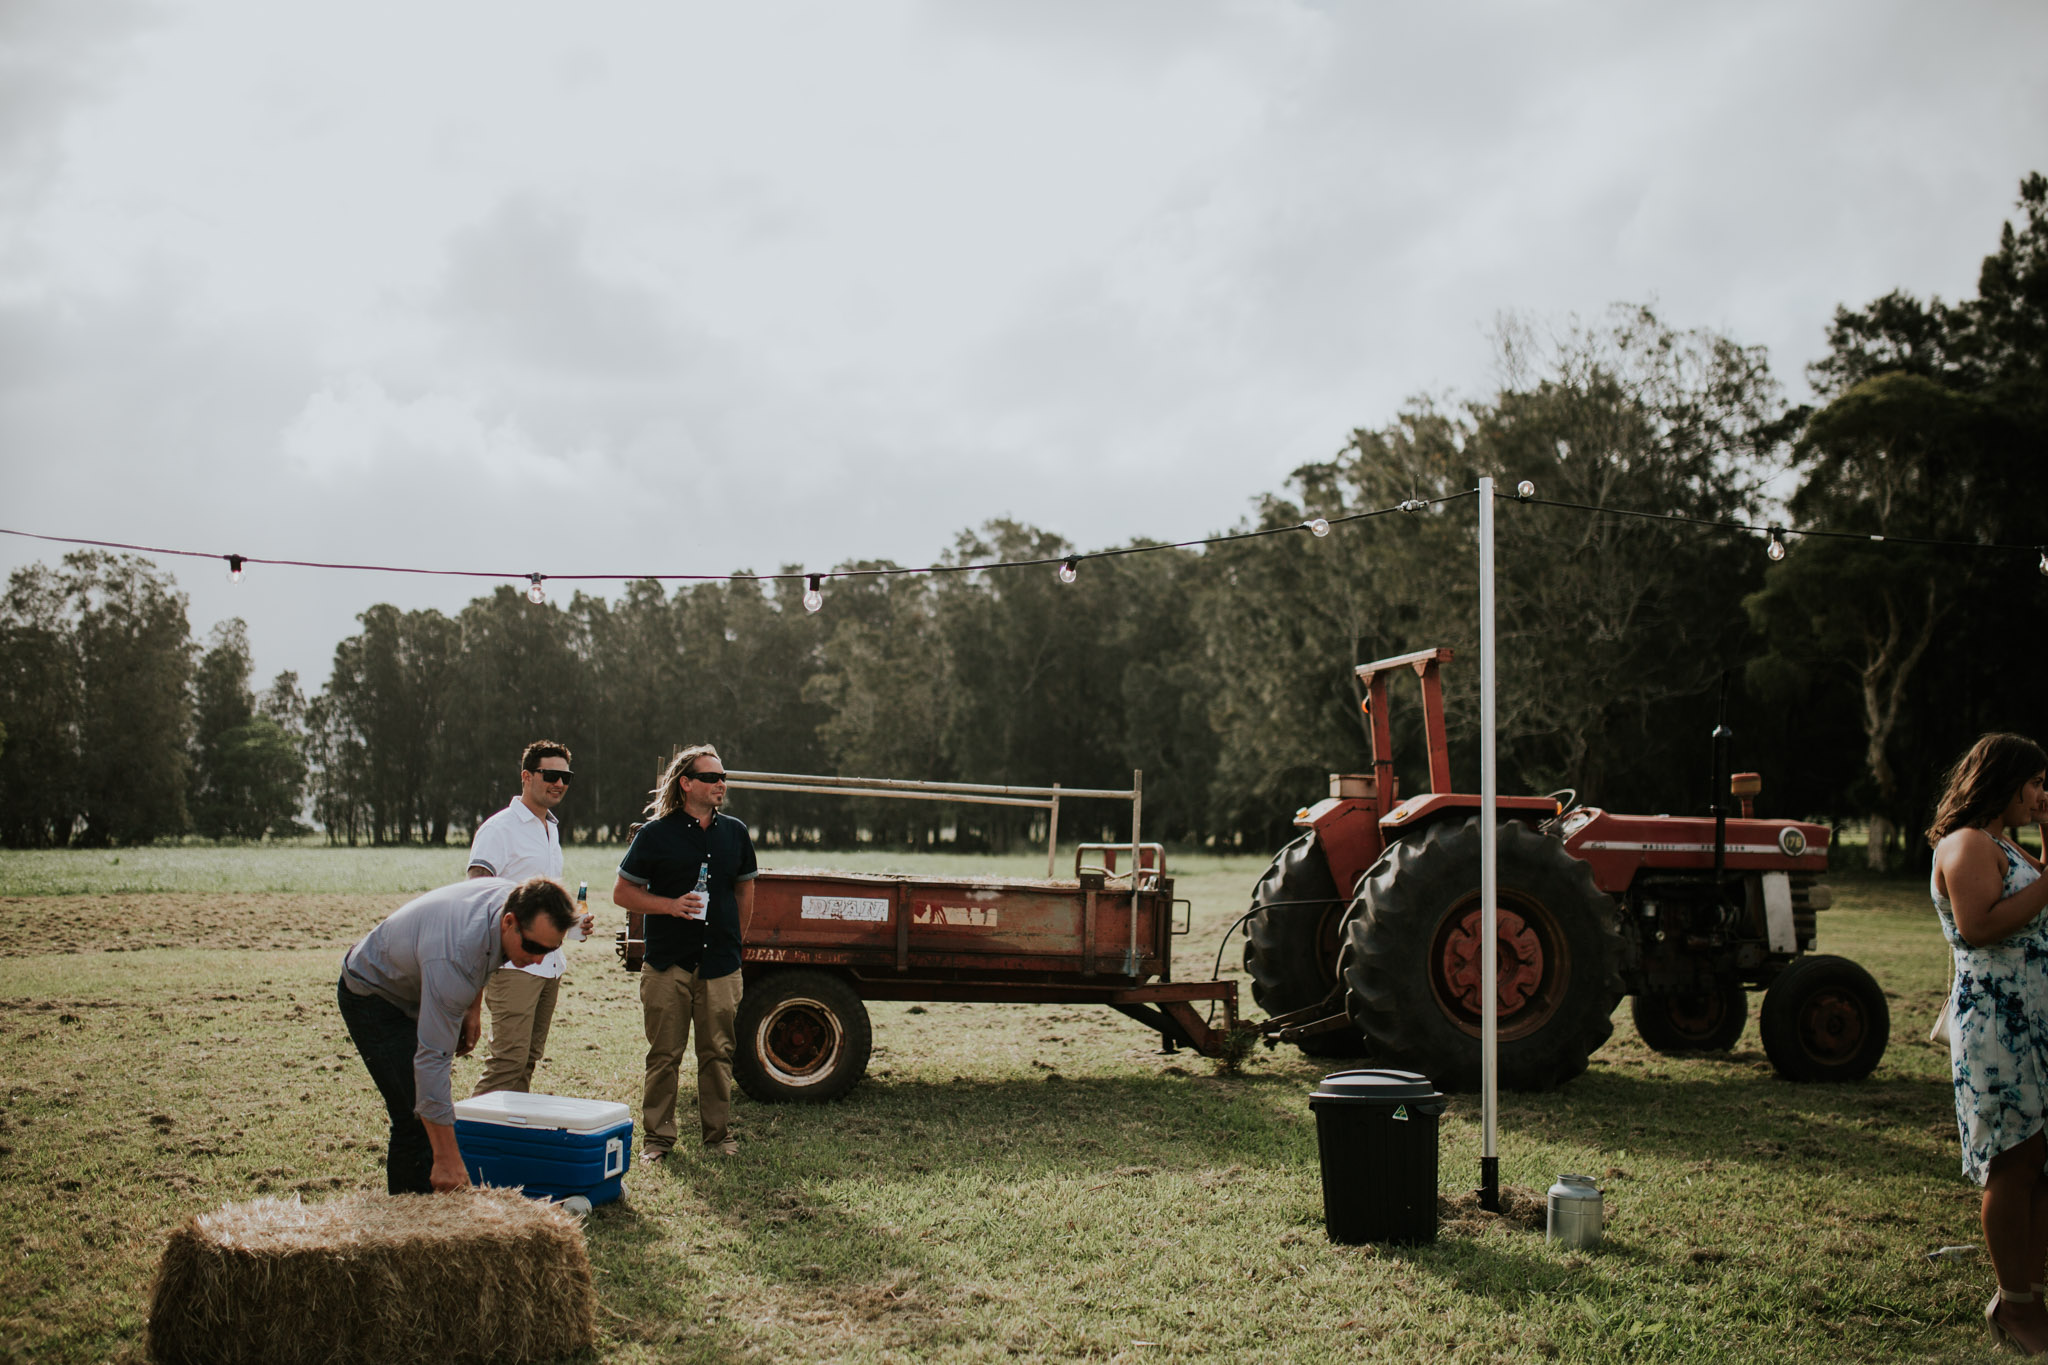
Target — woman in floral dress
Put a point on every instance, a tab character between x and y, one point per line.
1990	895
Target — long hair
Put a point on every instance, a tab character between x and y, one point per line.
1984	781
668	797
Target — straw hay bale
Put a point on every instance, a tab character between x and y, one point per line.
435	1279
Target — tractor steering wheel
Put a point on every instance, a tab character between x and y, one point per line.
1566	798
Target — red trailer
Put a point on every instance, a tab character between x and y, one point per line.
820	944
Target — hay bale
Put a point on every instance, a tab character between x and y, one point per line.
434	1279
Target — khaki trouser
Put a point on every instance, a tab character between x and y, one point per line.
522	1006
671	1000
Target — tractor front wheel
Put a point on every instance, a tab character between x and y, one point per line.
1412	952
1692	1021
800	1036
1825	1019
1290	941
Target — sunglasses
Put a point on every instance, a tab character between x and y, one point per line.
561	775
526	944
706	778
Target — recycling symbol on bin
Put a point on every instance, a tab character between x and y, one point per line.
1401	1112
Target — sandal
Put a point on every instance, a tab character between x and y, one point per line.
1999	1336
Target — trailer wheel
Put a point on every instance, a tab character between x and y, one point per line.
802	1036
1290	943
1411	958
1692	1021
1825	1019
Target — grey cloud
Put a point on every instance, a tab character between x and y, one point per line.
54	54
519	287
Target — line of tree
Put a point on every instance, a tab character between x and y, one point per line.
1859	668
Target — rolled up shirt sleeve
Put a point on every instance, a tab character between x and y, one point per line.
445	997
491	850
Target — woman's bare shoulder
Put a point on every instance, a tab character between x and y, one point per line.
1970	844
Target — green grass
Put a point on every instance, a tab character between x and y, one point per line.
1009	1182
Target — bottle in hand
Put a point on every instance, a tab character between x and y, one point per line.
703	888
582	909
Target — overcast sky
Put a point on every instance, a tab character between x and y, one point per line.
676	288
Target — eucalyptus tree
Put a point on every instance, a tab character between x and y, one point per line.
1933	421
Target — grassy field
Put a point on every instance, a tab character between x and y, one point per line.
1009	1182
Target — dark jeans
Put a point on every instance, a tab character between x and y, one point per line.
387	1038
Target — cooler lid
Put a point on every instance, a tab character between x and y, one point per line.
517	1109
1374	1087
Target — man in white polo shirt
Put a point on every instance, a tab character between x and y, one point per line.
521	841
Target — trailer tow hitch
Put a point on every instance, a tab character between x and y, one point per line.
1325	1016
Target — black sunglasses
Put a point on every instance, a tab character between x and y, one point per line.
706	778
526	944
552	774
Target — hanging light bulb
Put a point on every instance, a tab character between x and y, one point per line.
1070	568
536	593
814	600
2044	559
1776	549
235	563
1413	505
1318	526
1525	490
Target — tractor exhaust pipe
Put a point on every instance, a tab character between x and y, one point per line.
1723	775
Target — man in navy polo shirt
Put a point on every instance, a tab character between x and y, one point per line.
691	971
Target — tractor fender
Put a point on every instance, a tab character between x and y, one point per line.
1353	840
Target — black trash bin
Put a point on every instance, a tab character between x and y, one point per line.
1376	1132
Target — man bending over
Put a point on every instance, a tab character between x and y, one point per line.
405	990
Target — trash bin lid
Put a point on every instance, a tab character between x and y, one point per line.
1373	1087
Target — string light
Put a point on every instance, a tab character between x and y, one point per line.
1317	527
814	600
1525	491
2044	559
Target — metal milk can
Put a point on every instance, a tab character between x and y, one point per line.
1575	1215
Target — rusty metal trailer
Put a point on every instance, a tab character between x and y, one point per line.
821	943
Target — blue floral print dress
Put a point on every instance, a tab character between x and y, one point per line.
1999	999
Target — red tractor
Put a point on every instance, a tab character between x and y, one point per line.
1363	939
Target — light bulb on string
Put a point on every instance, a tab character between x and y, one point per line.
1318	526
235	563
814	600
1525	490
1070	568
2044	559
1776	549
536	590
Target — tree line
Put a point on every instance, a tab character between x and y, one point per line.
1852	670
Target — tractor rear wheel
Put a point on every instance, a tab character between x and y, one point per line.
1825	1019
1290	943
1692	1021
801	1036
1411	958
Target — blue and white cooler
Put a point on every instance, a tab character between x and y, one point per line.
555	1146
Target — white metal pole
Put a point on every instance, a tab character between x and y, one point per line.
1052	834
1137	851
1489	874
